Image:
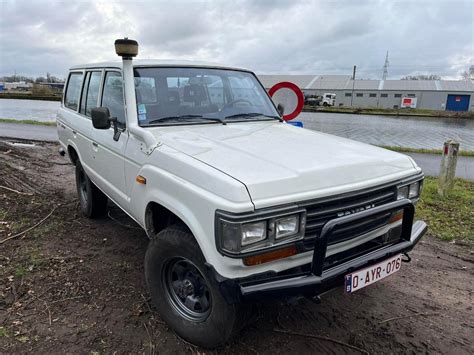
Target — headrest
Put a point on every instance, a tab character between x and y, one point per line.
194	93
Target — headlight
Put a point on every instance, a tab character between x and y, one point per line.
237	235
286	226
414	191
402	192
253	232
411	191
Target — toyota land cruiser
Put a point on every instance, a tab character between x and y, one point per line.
238	204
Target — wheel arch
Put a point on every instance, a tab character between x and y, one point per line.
73	154
159	214
159	217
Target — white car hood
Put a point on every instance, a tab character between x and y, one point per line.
279	163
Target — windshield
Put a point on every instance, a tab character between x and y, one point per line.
199	95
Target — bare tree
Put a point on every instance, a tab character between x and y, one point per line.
465	75
422	77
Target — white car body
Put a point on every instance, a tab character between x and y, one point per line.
240	167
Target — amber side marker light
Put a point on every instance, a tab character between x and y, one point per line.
141	180
270	256
396	217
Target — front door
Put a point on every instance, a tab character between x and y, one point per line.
108	153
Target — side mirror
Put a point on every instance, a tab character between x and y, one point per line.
281	109
100	117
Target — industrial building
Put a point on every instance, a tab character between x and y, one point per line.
451	95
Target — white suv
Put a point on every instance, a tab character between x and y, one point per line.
238	204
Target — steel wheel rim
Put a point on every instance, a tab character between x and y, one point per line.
83	187
186	289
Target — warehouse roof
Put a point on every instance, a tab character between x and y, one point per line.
344	82
301	81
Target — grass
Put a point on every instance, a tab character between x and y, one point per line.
33	122
3	332
466	153
448	218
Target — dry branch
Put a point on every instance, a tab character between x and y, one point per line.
409	316
322	338
32	227
16	191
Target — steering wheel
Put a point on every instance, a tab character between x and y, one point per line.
233	102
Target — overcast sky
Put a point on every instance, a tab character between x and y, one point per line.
297	37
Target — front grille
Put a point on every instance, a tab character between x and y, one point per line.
319	213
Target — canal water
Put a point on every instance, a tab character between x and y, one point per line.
44	111
403	131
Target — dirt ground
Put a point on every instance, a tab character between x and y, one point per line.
73	285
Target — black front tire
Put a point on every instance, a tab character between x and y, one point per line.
215	322
93	201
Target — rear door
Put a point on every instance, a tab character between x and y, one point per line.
89	100
74	130
107	153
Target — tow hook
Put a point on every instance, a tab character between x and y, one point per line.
408	258
61	151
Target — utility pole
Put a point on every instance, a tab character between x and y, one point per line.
385	68
353	83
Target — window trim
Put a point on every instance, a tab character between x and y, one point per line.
98	93
63	103
120	126
84	84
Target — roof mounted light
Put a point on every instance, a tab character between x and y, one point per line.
126	48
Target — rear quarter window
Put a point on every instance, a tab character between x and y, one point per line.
73	91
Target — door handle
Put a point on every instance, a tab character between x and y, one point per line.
74	132
95	144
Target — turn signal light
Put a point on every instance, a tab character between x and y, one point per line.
141	180
396	217
270	256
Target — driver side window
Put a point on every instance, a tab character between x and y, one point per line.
112	96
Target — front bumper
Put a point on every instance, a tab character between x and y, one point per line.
319	280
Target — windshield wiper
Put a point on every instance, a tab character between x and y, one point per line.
252	114
169	118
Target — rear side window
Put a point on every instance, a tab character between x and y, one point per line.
112	96
73	91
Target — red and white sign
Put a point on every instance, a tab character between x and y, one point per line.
290	97
408	102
